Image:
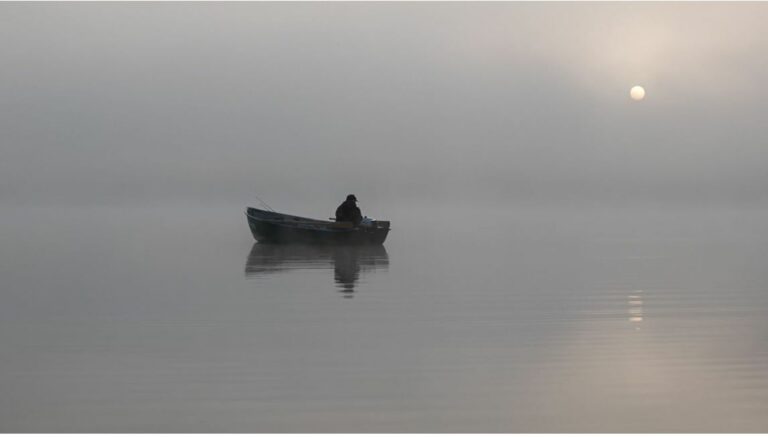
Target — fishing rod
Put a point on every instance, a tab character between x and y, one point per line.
266	205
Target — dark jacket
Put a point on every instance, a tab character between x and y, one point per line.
349	212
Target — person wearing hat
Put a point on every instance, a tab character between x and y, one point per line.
349	212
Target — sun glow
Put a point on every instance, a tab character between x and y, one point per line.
637	93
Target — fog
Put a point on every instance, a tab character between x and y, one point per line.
301	103
562	258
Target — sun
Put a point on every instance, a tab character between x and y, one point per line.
637	93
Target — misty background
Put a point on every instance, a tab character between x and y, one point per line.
562	258
302	103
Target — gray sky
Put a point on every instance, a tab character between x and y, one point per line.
303	102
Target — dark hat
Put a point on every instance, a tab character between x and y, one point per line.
352	197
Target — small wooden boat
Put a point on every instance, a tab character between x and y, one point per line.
274	227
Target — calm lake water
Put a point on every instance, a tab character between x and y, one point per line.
504	319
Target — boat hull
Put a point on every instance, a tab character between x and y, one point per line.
272	227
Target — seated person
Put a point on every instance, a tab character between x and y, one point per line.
349	212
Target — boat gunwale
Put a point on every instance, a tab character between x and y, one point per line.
298	222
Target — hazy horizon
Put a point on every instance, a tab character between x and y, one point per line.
301	103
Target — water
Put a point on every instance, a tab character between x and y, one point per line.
508	319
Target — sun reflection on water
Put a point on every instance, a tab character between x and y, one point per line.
635	303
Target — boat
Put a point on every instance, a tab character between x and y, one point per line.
275	227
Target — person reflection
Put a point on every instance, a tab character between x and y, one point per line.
348	262
346	269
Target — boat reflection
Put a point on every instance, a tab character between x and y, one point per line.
348	262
